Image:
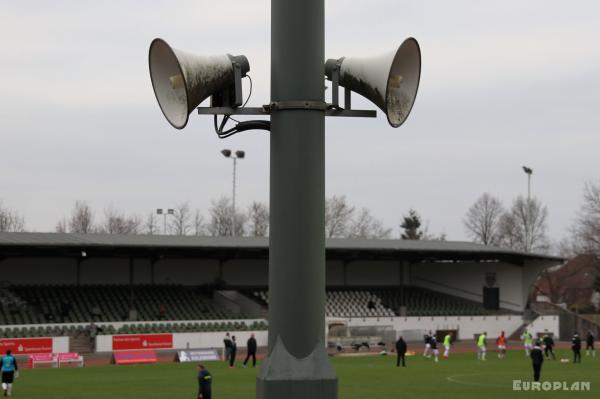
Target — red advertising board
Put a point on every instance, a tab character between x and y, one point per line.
142	341
26	346
135	357
68	356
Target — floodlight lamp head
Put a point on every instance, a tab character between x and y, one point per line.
226	153
390	81
527	170
240	154
181	81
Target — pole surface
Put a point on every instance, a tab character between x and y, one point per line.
527	213
233	199
297	365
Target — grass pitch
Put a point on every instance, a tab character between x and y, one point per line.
462	376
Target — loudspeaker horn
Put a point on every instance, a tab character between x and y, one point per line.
390	81
181	81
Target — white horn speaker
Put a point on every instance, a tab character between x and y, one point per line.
390	80
181	81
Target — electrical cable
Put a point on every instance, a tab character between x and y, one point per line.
240	126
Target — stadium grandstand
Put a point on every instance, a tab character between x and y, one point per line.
55	285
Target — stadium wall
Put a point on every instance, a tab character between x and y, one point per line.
467	326
467	280
543	323
60	345
203	340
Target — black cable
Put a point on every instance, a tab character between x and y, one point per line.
249	93
240	126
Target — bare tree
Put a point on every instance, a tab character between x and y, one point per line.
198	224
548	283
82	218
258	218
182	219
524	227
151	225
10	220
587	226
221	219
482	221
510	234
116	222
427	236
566	248
366	226
62	226
240	224
338	215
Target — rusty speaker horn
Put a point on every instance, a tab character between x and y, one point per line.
181	81
390	81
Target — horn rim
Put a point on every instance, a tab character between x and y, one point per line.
154	42
396	56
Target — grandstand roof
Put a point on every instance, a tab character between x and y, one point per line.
60	244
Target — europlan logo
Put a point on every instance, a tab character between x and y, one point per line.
576	386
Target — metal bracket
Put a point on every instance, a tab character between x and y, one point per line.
232	111
237	73
267	110
302	104
335	80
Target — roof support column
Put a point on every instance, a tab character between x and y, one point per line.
131	292
78	271
345	271
153	261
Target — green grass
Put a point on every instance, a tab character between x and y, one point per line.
359	377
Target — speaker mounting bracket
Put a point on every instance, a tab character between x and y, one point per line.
330	110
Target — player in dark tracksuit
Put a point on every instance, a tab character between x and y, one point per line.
537	358
251	350
227	344
576	348
204	383
9	367
589	340
427	339
233	352
401	351
548	346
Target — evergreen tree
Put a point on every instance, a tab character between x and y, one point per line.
412	226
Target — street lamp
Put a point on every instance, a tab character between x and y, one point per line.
529	172
169	211
238	155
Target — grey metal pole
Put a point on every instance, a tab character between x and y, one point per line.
233	199
528	213
297	365
528	186
528	224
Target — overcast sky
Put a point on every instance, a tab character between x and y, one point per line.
503	84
